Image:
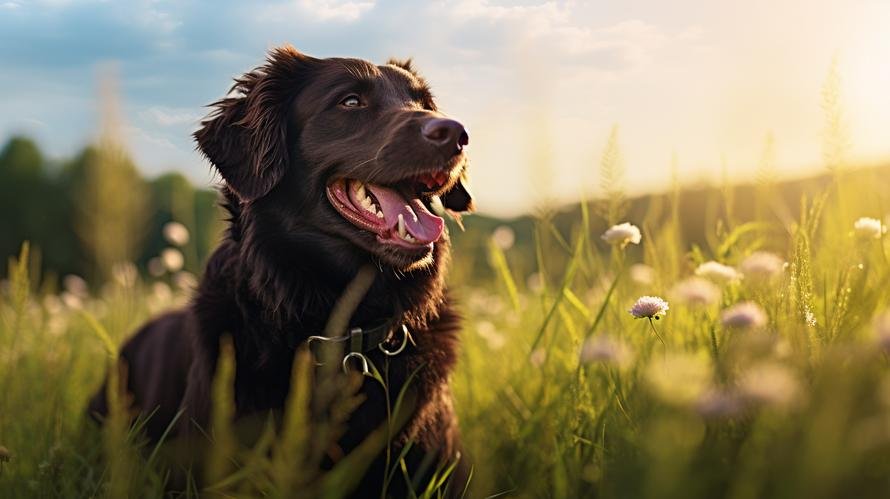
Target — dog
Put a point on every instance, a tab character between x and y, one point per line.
328	165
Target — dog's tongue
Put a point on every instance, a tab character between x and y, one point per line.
423	225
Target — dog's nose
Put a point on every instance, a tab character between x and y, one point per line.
446	134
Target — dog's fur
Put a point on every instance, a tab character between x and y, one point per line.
277	140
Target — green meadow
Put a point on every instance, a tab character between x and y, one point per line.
757	366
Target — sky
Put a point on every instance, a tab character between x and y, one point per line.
539	85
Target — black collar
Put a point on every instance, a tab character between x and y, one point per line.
388	336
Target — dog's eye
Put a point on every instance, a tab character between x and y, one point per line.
351	101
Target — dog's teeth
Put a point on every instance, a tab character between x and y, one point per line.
367	203
378	213
402	231
436	205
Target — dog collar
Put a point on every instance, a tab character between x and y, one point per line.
359	341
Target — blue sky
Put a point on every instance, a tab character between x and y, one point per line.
539	84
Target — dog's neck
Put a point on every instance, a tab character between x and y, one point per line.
291	284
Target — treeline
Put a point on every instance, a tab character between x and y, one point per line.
86	214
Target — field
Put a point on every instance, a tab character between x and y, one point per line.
561	391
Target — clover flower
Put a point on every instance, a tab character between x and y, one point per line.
172	259
744	315
503	237
641	273
762	265
176	234
769	383
717	272
622	234
868	228
696	291
649	307
605	350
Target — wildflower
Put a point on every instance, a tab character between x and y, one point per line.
696	291
76	285
769	383
535	282
490	334
71	300
762	265
641	274
176	234
537	357
622	234
680	378
718	404
185	281
649	307
124	274
717	272
156	267
172	259
602	349
882	330
503	237
744	315
868	228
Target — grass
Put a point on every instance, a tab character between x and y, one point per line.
560	391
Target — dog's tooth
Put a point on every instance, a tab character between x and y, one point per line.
367	203
360	191
402	226
378	213
436	205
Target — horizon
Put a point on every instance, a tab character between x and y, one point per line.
695	90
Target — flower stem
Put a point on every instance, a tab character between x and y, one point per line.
657	335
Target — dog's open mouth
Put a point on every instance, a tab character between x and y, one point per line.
397	213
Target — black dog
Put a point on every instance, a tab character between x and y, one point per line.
329	165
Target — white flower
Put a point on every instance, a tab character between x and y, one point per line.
535	283
769	383
490	334
744	315
718	404
622	234
648	307
503	237
185	281
605	350
696	291
125	274
868	228
172	259
71	300
76	285
176	234
642	274
762	265
717	272
882	330
156	267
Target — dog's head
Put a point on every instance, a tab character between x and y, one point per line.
353	151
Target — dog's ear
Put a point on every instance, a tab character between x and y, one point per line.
246	134
458	199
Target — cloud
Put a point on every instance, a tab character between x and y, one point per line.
318	10
166	116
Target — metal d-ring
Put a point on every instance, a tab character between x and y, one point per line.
397	351
365	369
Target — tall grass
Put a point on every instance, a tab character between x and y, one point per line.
560	391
